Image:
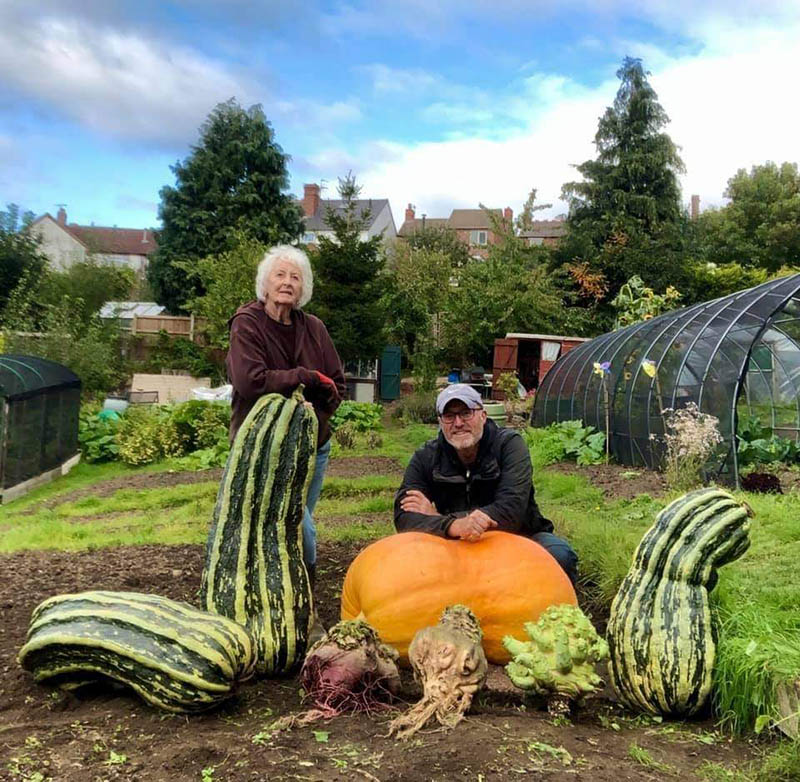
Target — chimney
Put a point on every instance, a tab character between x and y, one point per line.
61	217
695	210
310	200
508	214
410	212
144	236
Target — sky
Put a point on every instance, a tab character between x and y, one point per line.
442	104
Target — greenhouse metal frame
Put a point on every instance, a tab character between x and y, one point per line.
733	355
39	411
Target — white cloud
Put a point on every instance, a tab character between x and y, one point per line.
115	82
385	79
729	104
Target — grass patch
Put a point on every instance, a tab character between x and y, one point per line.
399	442
46	530
645	758
81	476
347	506
355	487
355	532
125	500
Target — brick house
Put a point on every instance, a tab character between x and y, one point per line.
67	243
472	226
315	210
545	232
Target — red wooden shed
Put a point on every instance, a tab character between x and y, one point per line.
530	356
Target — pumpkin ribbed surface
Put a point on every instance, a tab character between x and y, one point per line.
174	656
254	571
402	583
661	633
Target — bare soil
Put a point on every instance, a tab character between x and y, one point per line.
112	735
616	480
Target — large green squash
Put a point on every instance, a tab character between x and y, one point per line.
254	571
661	632
174	656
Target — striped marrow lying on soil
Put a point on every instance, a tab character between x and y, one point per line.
176	657
661	632
254	571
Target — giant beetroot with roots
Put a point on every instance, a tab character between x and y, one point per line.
349	670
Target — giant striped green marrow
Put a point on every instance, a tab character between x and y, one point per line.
661	632
254	571
174	656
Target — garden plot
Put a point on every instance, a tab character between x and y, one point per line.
113	735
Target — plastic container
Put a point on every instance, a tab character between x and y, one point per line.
496	411
116	403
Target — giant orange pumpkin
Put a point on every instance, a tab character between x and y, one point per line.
402	583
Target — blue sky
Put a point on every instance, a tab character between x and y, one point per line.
441	104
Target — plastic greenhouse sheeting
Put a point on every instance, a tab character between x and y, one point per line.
39	410
737	355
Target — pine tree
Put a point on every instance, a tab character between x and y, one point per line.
347	289
625	217
234	180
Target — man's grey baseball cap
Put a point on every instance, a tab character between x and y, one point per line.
460	391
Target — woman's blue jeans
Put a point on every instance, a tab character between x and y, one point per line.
309	529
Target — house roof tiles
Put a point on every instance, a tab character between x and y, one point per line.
114	241
318	221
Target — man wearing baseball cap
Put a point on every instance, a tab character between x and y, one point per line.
474	477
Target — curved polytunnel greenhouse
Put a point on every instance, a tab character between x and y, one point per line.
40	404
734	357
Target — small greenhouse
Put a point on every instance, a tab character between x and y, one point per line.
39	407
735	357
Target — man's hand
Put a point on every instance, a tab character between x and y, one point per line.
414	501
471	527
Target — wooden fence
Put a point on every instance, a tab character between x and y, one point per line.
173	325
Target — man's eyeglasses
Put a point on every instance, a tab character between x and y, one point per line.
464	415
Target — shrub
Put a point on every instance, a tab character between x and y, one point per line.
97	434
201	424
417	408
183	354
147	434
374	440
345	436
566	440
690	439
758	445
363	416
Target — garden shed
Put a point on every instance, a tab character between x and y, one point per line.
39	408
735	356
529	357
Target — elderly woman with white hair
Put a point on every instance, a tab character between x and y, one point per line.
274	347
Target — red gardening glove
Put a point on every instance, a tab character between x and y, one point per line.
326	381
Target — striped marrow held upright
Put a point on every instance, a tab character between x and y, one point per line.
661	632
254	571
174	656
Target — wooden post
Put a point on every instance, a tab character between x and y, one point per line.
133	324
191	327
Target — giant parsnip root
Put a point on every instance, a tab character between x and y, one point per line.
449	662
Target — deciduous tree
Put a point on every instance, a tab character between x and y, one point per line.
19	251
760	227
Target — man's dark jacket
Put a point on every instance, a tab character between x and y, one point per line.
499	484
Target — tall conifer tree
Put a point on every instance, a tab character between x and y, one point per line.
234	180
625	217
